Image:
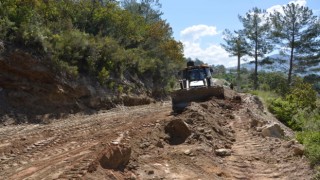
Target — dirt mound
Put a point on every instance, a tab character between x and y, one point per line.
161	147
213	140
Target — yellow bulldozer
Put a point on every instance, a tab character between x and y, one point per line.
196	85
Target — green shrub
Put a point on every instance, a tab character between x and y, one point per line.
266	96
120	89
6	26
302	96
284	111
265	87
65	69
308	120
311	141
34	35
103	76
111	85
275	81
72	47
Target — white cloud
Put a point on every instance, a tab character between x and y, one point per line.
299	2
192	38
278	8
213	54
197	31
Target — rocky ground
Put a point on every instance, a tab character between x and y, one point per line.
232	138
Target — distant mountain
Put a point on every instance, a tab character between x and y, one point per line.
278	63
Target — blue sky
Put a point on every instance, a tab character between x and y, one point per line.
199	24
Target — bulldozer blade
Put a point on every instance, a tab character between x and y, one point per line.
183	97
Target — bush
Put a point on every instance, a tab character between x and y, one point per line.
310	136
65	69
103	76
6	29
120	89
302	96
72	47
308	120
275	81
299	111
111	85
311	141
265	87
267	97
284	111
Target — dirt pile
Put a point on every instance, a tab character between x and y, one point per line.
171	148
216	139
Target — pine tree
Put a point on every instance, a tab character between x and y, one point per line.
237	46
297	31
255	30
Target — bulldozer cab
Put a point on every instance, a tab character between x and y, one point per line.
197	73
196	84
195	76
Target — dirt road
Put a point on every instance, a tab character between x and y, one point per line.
66	148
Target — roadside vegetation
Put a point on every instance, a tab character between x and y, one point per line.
299	109
111	42
294	99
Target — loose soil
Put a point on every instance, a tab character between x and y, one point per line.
160	144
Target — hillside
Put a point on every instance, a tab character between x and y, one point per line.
64	57
31	92
279	63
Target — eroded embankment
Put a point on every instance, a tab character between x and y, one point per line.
32	92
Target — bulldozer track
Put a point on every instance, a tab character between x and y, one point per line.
65	148
254	157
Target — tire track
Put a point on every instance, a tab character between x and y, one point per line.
65	148
255	157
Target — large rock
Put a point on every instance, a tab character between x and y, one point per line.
254	122
298	149
178	131
272	130
223	152
115	156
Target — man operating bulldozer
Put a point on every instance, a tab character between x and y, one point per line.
196	84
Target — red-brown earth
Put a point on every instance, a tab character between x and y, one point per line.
217	139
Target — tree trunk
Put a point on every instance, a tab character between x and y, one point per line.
255	85
291	62
290	67
238	75
256	74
